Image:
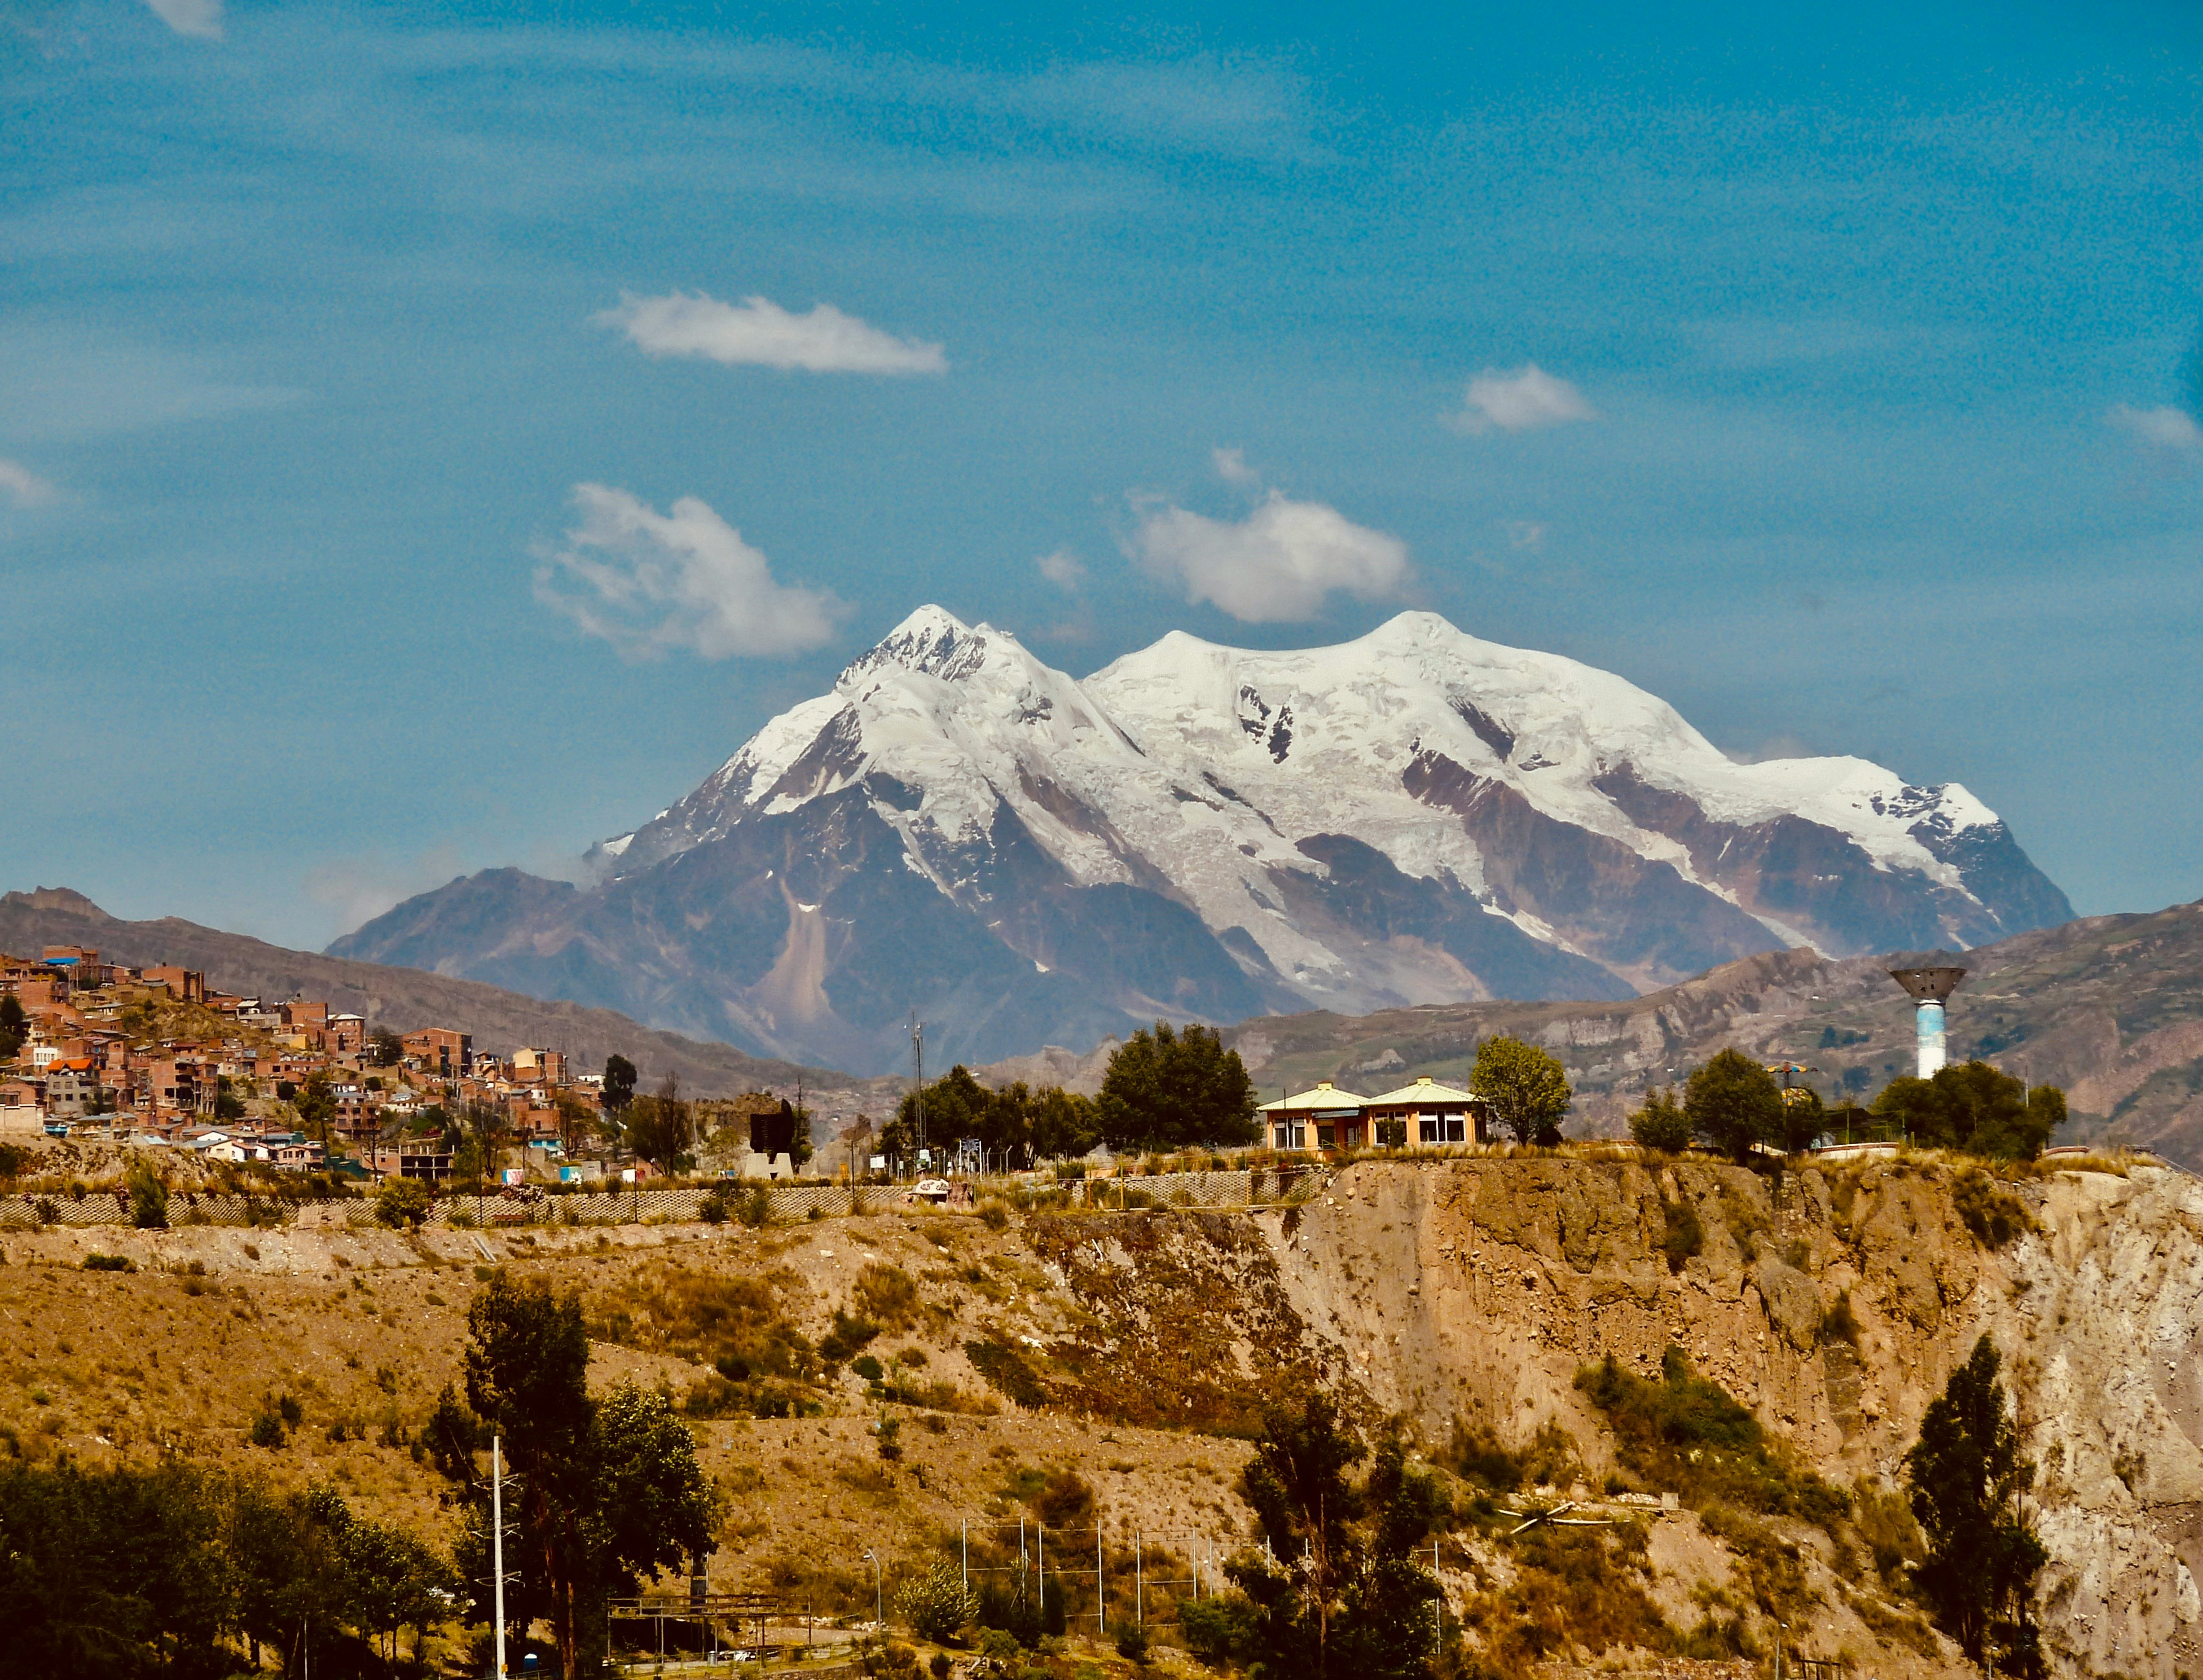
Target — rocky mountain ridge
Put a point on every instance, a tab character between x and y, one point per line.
1025	858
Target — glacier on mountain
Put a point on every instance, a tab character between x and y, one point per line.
1413	816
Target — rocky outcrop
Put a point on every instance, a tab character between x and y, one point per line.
1474	1290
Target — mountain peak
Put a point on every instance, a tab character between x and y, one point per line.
932	639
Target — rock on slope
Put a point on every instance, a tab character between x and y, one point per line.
1209	831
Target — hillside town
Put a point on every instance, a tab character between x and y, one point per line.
98	1050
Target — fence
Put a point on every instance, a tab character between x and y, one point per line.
622	1205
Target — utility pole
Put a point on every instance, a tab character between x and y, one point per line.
917	1087
1101	1627
497	1542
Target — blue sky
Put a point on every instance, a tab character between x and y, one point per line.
396	480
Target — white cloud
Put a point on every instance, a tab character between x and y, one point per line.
759	331
1063	569
200	18
1231	466
1526	533
647	581
23	487
1275	566
2169	431
1522	401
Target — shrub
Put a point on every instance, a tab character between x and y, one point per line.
891	1438
937	1605
1683	1235
1993	1216
713	1209
148	1198
109	1262
403	1204
1691	1435
267	1429
886	1295
1839	1323
1132	1642
1661	1124
755	1210
1216	1629
868	1367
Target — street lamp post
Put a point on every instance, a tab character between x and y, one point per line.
879	1601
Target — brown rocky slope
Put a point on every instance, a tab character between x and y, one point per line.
1446	1295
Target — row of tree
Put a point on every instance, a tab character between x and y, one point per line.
1734	1105
127	1571
1169	1088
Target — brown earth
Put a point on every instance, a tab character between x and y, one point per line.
1132	1348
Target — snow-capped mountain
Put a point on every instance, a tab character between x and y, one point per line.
1417	816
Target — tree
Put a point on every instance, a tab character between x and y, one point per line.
316	1106
1968	1478
1527	1089
148	1198
1348	1599
1167	1089
661	1128
1064	1124
602	1490
1661	1124
1804	1117
1733	1104
577	1121
385	1049
956	1107
1976	1108
403	1204
15	1026
937	1604
619	1083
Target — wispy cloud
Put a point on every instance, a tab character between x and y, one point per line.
2168	433
1062	568
199	18
1231	466
22	487
1275	566
1525	400
759	332
647	582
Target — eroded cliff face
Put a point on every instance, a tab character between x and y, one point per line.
1474	1290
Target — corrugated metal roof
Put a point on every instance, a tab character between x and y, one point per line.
1423	1090
1326	1095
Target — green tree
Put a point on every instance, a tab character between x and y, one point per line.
1661	1124
661	1128
1976	1108
619	1083
317	1107
1064	1124
15	1026
148	1198
1733	1103
108	1574
385	1049
1968	1478
1804	1117
403	1204
1168	1088
1349	1599
937	1605
956	1107
602	1490
1527	1089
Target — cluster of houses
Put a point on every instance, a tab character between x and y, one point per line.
80	1069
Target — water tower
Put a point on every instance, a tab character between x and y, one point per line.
1930	989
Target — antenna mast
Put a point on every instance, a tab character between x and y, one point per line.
497	1541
